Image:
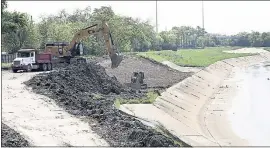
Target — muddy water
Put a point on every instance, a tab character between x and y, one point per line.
250	106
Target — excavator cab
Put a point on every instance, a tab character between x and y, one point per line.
76	52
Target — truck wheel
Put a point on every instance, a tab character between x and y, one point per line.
49	66
44	67
14	70
29	68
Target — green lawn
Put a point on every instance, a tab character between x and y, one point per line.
5	65
192	57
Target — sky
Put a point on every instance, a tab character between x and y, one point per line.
224	17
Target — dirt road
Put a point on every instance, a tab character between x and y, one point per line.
39	119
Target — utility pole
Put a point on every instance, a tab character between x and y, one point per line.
31	20
203	20
156	18
202	15
157	27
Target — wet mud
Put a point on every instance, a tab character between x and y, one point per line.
86	90
11	138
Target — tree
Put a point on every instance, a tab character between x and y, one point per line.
3	5
255	39
129	34
265	37
103	14
14	30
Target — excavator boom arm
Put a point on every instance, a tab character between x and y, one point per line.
116	58
82	34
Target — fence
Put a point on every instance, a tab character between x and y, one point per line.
7	58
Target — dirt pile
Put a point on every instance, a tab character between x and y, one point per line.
156	75
11	138
86	90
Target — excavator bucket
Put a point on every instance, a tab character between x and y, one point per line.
116	60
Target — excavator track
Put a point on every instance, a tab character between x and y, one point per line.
77	60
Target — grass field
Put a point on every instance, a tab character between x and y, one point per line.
192	57
5	65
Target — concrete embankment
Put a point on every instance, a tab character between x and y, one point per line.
195	109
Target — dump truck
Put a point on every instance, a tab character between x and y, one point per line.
58	52
29	59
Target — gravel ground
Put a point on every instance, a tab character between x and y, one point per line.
156	75
86	90
10	138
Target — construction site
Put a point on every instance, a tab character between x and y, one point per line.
77	93
75	104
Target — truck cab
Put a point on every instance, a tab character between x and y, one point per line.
24	59
29	59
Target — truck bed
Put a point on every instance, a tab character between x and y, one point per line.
44	58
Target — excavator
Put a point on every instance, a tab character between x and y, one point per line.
70	52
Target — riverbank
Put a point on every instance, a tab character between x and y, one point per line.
196	109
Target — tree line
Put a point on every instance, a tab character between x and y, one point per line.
129	34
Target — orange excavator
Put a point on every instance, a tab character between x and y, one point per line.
69	52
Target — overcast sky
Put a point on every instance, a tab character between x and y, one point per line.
226	17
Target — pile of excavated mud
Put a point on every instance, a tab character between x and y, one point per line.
156	75
10	138
86	90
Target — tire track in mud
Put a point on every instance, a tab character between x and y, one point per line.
11	138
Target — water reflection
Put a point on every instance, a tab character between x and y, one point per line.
251	105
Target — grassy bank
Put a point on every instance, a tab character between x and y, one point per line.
192	57
150	98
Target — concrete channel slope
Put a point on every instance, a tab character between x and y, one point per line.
195	109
